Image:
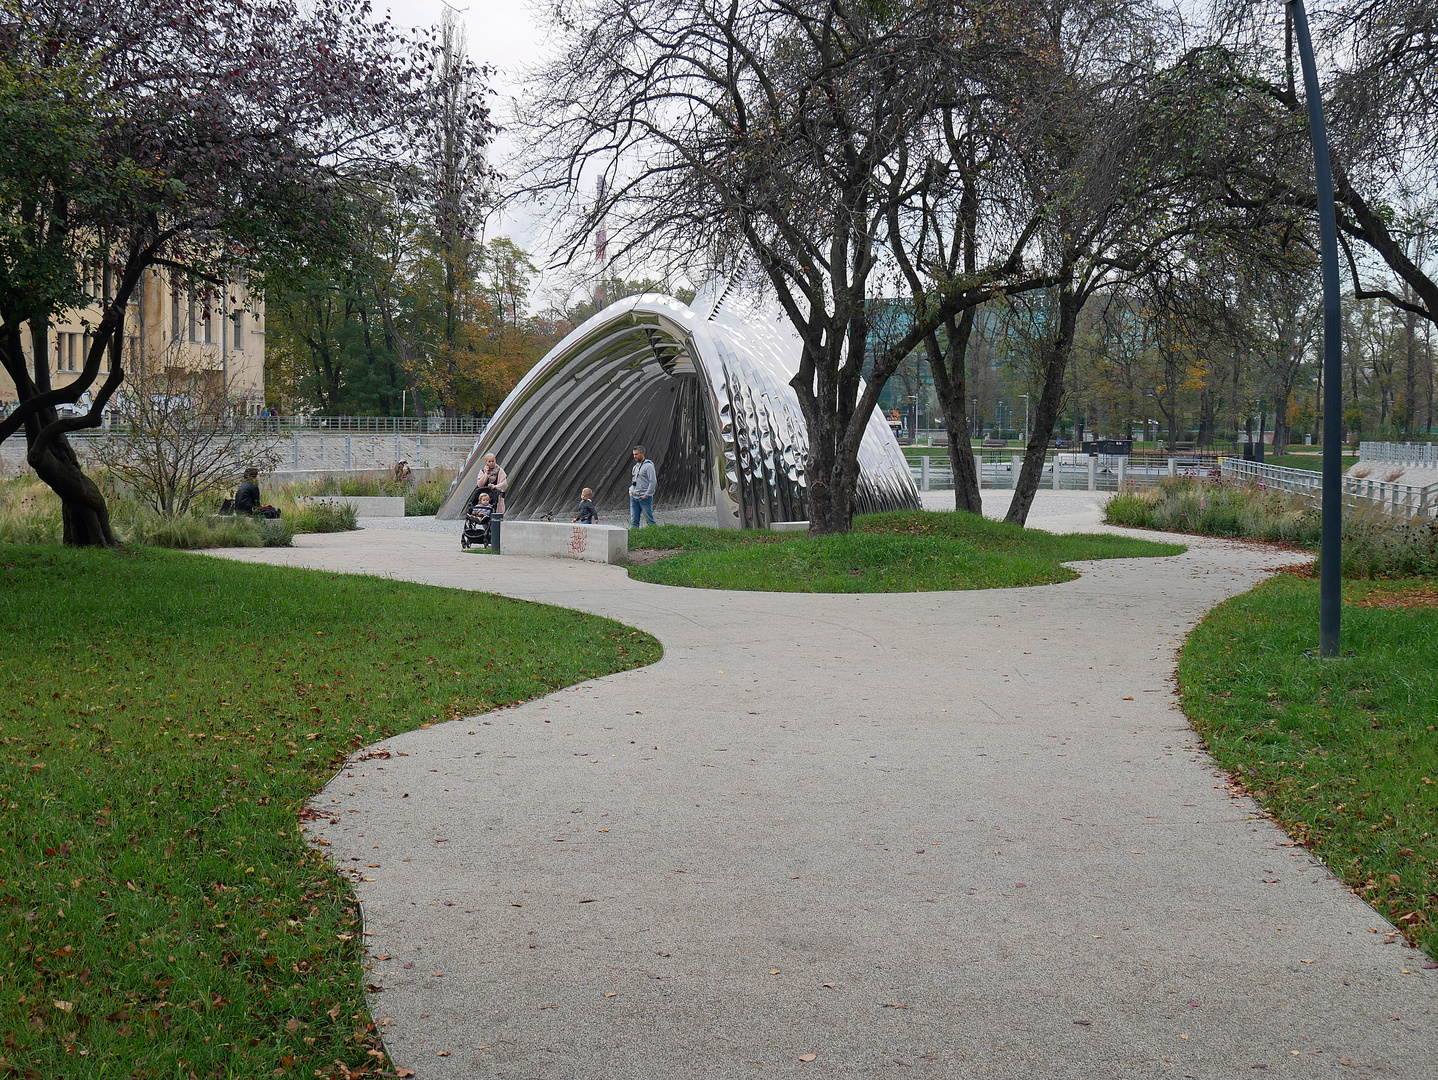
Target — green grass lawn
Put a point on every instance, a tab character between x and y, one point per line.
168	715
895	552
1343	753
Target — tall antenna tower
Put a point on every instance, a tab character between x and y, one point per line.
601	246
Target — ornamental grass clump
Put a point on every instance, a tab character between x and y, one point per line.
29	512
1216	508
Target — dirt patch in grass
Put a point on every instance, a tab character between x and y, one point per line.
1424	596
649	556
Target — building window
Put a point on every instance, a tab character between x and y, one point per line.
70	346
85	349
174	316
239	330
194	328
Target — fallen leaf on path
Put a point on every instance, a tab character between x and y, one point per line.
807	1057
611	993
774	972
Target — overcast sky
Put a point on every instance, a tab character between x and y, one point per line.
507	36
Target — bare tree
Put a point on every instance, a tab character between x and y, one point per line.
780	141
178	437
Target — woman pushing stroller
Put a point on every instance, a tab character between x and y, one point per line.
485	505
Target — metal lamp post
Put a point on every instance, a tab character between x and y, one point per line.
1330	583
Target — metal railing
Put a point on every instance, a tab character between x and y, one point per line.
375	425
1423	454
1398	500
1065	470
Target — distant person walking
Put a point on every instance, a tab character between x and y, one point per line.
641	490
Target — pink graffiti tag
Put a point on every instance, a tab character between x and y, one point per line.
578	543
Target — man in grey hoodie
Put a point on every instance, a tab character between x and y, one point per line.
641	490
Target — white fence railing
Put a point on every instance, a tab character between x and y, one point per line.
1399	500
1400	453
1065	470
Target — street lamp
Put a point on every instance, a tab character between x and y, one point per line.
1330	602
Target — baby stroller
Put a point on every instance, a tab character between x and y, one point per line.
478	521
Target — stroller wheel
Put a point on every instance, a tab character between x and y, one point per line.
464	542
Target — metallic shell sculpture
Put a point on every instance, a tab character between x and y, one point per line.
707	395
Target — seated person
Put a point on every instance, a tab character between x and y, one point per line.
482	510
586	512
247	495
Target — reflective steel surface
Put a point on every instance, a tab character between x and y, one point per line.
707	395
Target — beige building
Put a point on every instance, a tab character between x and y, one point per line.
205	329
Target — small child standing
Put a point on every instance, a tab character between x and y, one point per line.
586	514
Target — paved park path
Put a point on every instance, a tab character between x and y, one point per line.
931	835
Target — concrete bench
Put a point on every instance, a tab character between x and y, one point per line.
590	543
366	506
788	526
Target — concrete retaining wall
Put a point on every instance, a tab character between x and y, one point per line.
591	543
366	506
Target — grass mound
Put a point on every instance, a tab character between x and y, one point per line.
907	551
169	715
1343	753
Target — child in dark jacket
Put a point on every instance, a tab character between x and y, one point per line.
586	514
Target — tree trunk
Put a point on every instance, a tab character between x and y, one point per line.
948	367
831	508
83	510
1052	366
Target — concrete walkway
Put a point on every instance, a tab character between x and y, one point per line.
941	835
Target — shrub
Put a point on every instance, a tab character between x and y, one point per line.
1374	544
426	498
29	512
193	532
1132	509
322	518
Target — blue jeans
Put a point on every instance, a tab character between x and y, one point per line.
638	506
